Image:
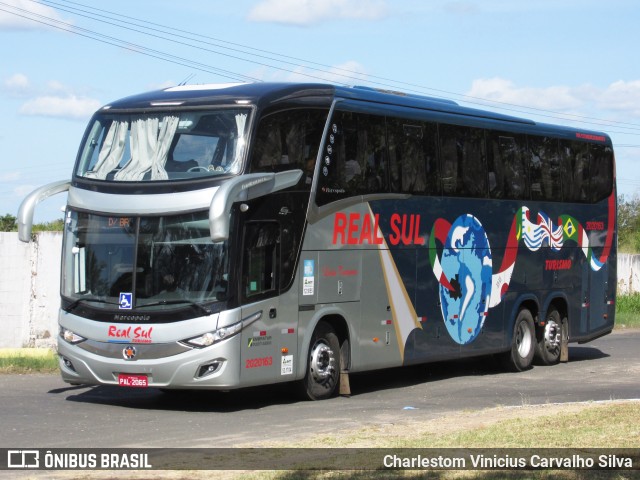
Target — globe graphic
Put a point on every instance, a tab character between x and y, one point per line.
466	262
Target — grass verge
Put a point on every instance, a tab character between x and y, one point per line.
628	311
28	360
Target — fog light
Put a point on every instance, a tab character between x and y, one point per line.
67	363
208	369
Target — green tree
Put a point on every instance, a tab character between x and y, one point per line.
8	223
629	224
53	226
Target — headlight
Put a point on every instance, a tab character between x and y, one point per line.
70	336
209	338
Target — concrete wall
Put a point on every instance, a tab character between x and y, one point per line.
30	288
628	273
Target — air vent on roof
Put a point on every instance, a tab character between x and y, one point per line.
408	95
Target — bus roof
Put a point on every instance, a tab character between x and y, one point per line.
266	94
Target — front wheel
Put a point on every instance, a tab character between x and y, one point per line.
323	364
523	342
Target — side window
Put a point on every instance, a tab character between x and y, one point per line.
575	181
464	170
260	260
413	160
289	140
544	168
507	170
354	159
601	171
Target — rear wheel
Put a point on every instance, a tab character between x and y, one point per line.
323	364
549	339
523	342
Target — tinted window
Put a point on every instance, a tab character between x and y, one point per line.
507	170
463	160
413	160
575	158
545	173
288	140
354	159
261	259
601	171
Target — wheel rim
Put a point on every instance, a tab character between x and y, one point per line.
523	339
552	336
322	362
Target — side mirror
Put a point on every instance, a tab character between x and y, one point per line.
242	188
28	206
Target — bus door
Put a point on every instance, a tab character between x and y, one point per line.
267	341
593	300
598	290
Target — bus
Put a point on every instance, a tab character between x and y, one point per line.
233	235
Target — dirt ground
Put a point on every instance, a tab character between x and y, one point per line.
445	425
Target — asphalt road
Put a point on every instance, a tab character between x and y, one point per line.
40	411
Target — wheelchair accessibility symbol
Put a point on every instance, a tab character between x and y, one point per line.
125	301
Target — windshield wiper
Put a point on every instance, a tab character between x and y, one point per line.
191	303
74	304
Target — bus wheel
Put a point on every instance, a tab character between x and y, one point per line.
520	356
323	364
549	339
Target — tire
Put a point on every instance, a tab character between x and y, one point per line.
323	364
520	356
549	339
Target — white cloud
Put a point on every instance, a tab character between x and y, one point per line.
309	12
348	73
26	15
17	82
24	190
505	91
621	98
9	176
461	8
69	107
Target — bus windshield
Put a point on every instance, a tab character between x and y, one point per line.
132	262
164	146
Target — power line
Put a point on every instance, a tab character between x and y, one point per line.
349	74
335	71
67	27
236	76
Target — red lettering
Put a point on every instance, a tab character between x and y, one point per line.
353	228
346	272
258	362
140	332
595	226
365	234
417	239
394	238
405	229
138	335
351	231
587	136
557	265
406	238
377	240
339	224
328	272
116	332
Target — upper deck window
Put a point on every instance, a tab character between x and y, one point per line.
164	146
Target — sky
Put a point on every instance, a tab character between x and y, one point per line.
570	62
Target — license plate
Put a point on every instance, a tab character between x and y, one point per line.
129	380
